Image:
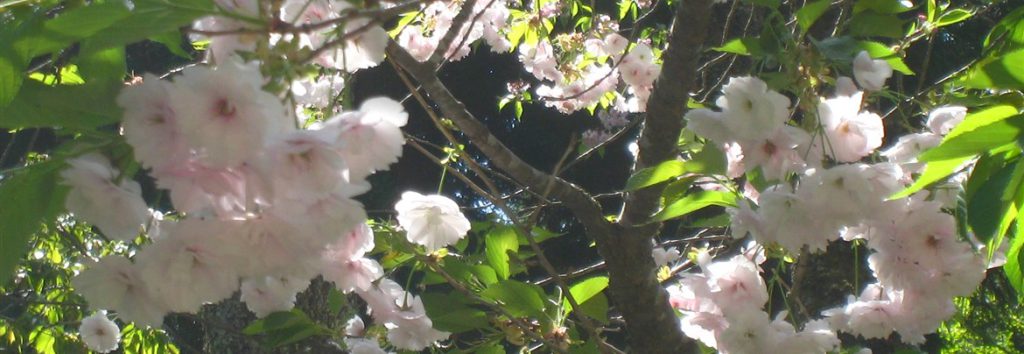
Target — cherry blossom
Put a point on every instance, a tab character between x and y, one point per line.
99	333
115	208
433	221
870	73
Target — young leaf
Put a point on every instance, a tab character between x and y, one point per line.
953	16
934	171
979	140
499	241
653	175
694	202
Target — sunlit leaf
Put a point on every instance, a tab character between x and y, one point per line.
694	202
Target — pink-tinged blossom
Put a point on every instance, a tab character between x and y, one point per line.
943	119
540	60
371	137
115	283
778	155
418	45
403	314
223	113
150	124
117	209
189	267
349	274
849	133
226	191
320	220
264	295
305	164
916	247
870	73
615	44
736	284
99	333
433	221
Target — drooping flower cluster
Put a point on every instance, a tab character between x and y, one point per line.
722	307
256	195
918	261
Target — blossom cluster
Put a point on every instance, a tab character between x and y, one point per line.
487	20
256	197
826	194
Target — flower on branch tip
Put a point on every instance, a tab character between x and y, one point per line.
433	221
99	333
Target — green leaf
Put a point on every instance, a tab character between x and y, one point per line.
710	160
584	290
1008	34
451	312
653	175
624	6
774	4
11	66
953	16
499	242
78	107
467	272
106	65
741	46
880	6
173	42
986	208
982	118
934	171
284	327
520	299
596	307
881	51
31	197
694	202
151	18
872	24
1002	72
810	13
976	141
1015	258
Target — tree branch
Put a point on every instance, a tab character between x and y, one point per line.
626	246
